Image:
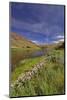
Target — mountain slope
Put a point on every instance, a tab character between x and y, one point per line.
18	41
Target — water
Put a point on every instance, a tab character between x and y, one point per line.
38	53
31	54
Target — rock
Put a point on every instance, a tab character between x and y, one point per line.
27	76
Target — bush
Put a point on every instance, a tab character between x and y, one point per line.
28	46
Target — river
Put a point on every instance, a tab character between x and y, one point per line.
24	55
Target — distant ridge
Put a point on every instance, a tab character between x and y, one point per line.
18	41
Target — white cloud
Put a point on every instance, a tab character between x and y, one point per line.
60	36
55	41
60	40
35	41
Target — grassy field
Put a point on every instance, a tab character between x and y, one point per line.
47	81
23	66
18	54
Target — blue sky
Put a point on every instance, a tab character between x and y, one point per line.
39	23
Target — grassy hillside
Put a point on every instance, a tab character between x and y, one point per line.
49	47
21	48
18	41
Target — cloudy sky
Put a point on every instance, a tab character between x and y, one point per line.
39	23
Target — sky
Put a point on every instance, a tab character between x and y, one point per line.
40	23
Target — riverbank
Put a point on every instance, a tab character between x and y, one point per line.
24	66
48	80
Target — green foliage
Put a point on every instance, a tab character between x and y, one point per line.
18	54
23	66
48	81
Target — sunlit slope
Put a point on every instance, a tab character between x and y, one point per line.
18	41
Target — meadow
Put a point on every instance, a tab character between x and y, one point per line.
49	80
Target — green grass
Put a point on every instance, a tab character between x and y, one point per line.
23	66
48	81
18	54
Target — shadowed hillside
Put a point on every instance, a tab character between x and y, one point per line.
59	45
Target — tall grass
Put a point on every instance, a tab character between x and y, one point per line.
48	81
23	66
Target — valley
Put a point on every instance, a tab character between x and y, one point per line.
25	56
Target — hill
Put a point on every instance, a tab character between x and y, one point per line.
59	45
18	41
21	48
